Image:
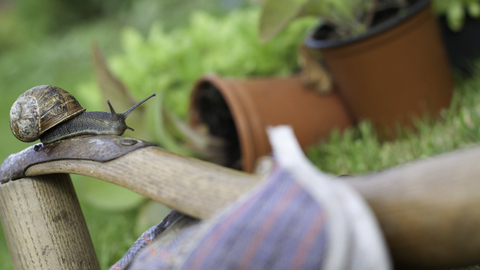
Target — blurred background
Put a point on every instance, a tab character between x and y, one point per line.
152	46
163	47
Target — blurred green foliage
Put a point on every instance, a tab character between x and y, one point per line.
174	14
347	15
29	21
169	62
53	16
456	10
112	232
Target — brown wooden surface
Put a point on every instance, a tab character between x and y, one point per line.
44	225
429	210
189	185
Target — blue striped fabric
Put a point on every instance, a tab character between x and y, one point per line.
146	238
277	226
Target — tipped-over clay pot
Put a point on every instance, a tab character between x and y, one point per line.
240	111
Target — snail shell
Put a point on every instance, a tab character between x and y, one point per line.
39	109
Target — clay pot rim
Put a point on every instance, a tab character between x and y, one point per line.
392	22
251	122
236	108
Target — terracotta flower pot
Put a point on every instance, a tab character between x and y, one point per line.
395	71
240	111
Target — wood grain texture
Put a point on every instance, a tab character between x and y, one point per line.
189	185
44	225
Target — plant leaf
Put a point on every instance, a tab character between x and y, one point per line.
158	128
455	16
115	90
312	8
276	14
111	86
474	9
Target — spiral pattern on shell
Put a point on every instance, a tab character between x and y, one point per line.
39	109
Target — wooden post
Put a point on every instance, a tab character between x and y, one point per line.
44	224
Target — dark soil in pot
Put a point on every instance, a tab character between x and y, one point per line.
388	15
239	111
463	47
217	117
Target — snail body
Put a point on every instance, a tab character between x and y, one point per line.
50	113
84	124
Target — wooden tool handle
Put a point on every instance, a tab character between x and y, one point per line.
44	225
429	210
189	185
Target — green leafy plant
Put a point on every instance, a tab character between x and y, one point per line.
456	11
169	62
350	17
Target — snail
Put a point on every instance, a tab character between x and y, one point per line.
50	114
